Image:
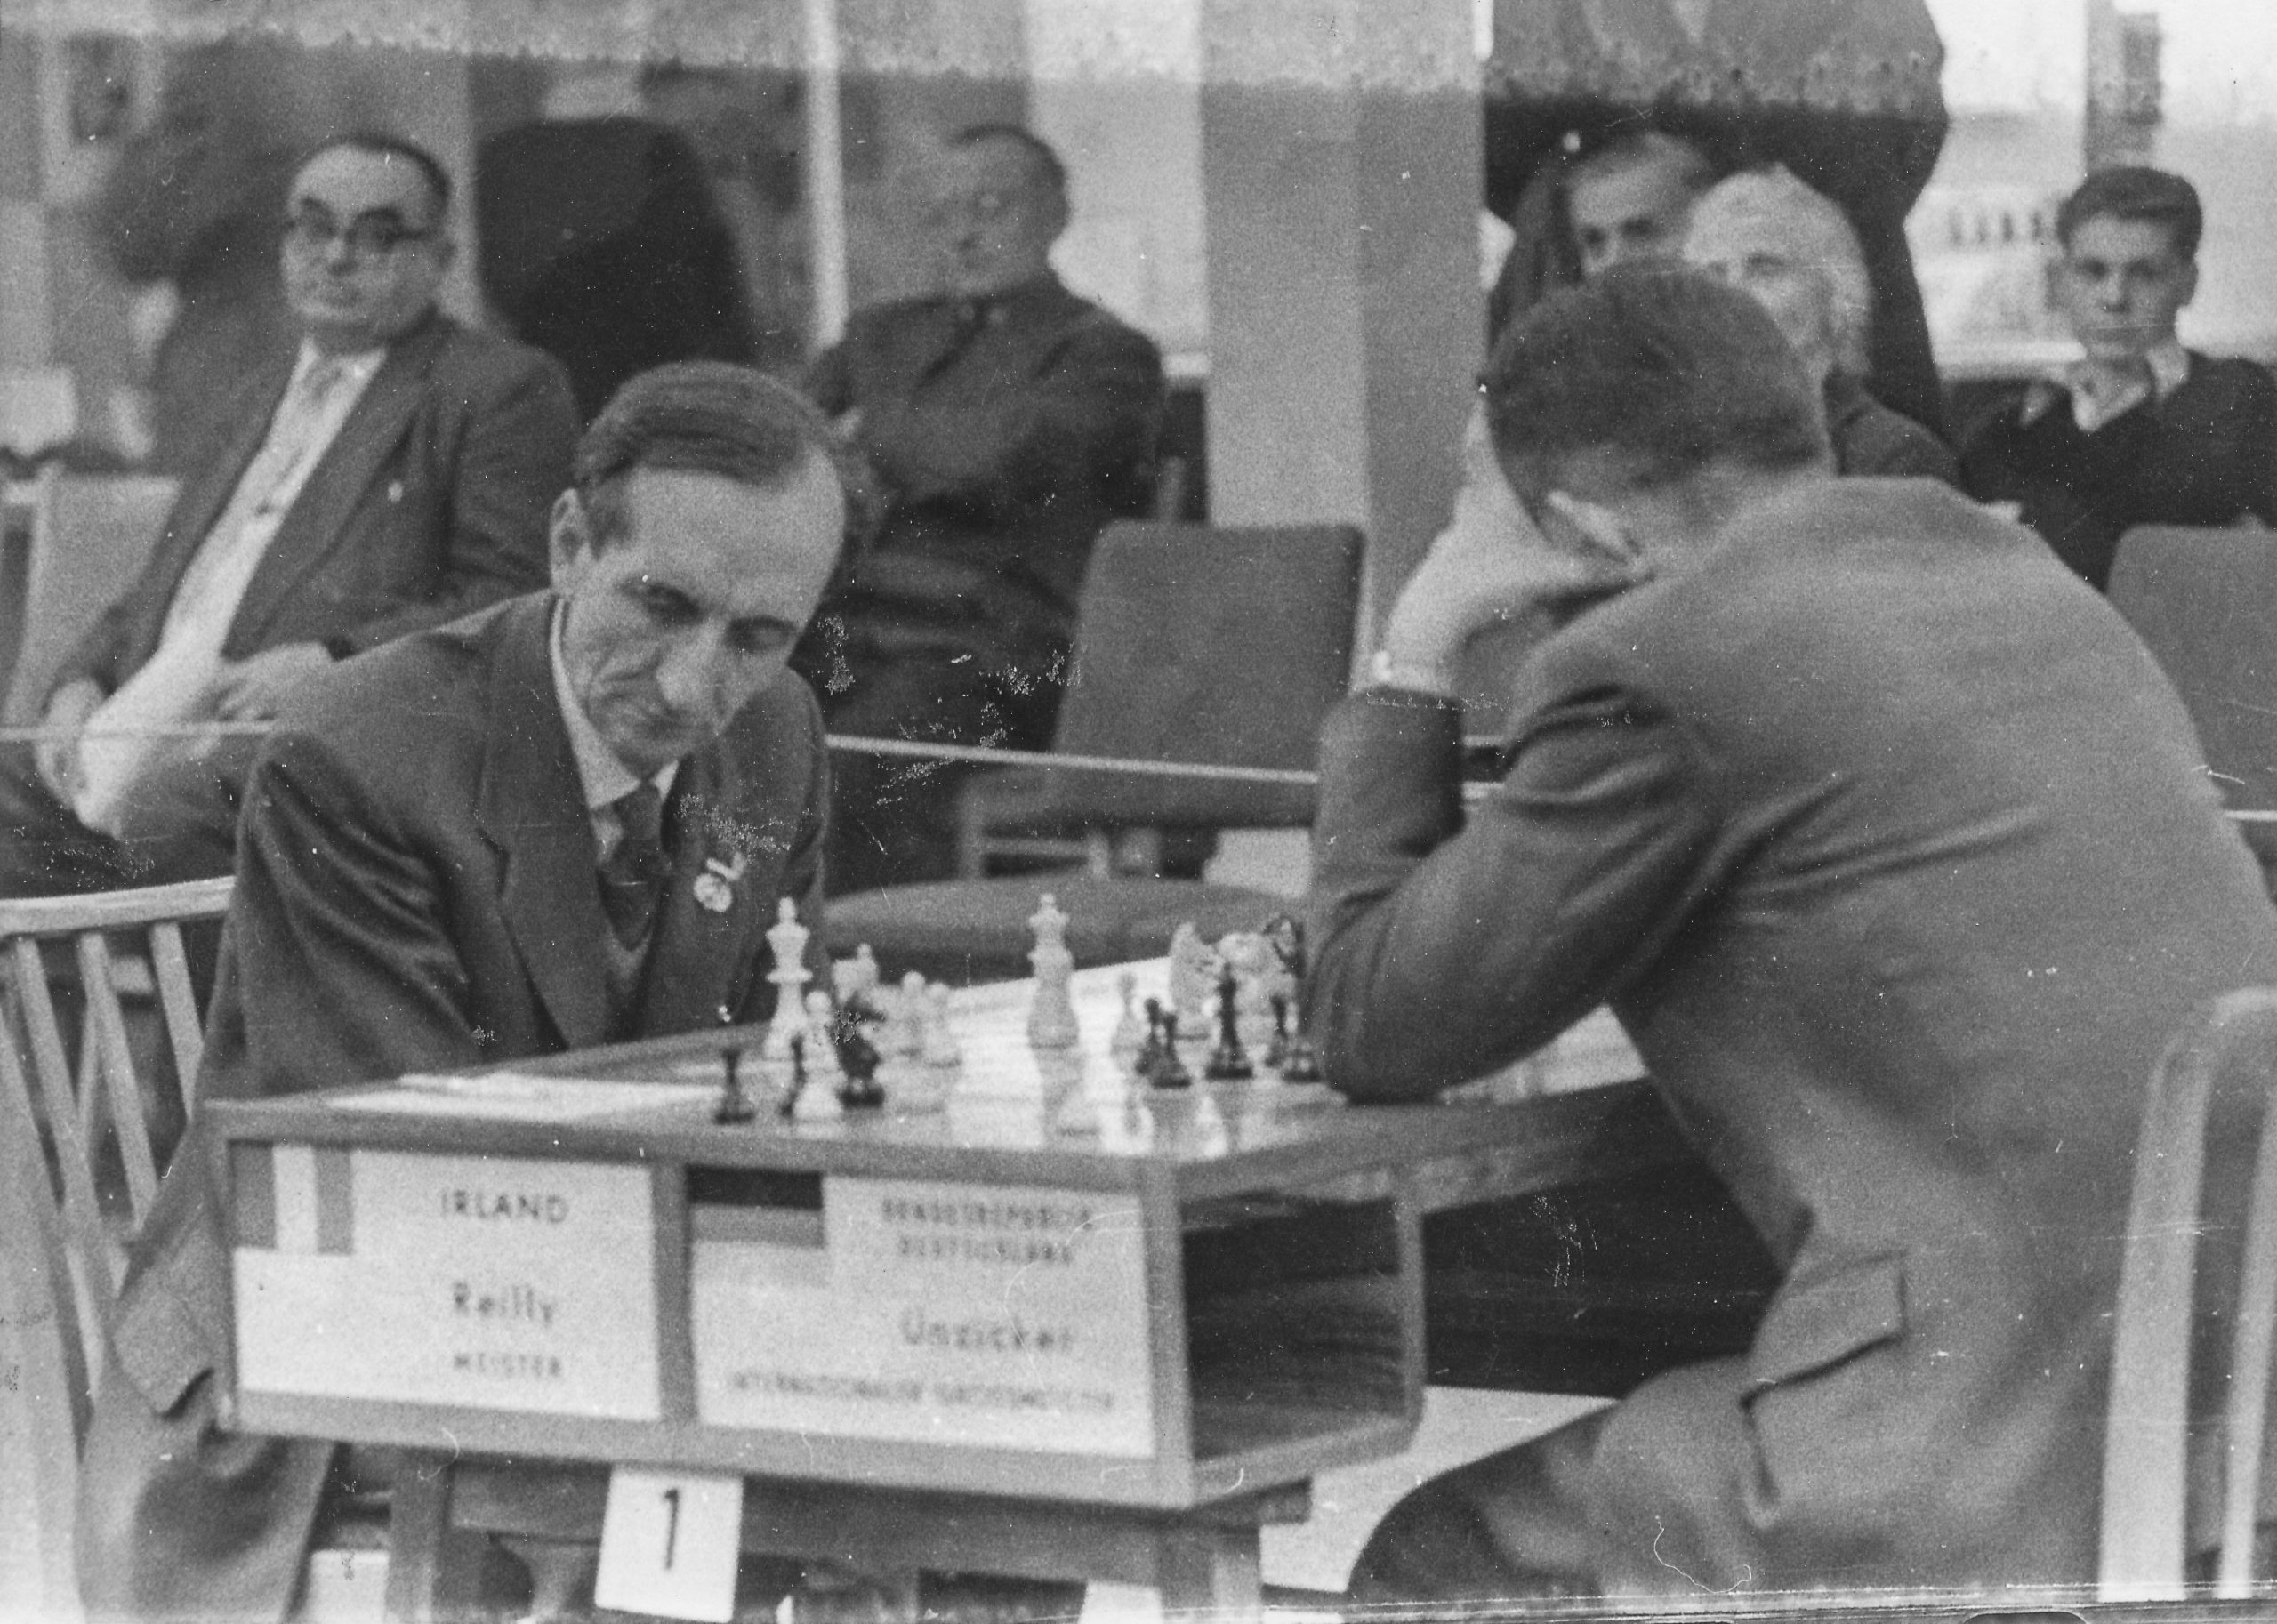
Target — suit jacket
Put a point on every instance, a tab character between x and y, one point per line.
1003	449
416	889
1871	440
429	503
2207	455
1891	850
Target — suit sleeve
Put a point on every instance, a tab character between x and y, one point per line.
1087	417
337	941
1442	948
509	461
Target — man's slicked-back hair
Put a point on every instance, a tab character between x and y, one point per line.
2132	191
1047	162
705	417
1667	369
1695	170
379	144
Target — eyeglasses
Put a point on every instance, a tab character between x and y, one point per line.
369	236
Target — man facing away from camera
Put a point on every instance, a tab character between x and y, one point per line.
1891	851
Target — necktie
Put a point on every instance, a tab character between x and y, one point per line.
633	878
968	318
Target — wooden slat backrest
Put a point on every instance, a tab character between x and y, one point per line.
2145	1520
38	1087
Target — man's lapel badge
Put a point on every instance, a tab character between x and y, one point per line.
715	886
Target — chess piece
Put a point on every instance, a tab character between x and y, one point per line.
858	1058
1252	956
787	938
1229	1061
797	1083
904	1030
821	1035
1159	1063
940	1047
1052	1017
854	981
1191	974
1130	1034
1300	1062
735	1105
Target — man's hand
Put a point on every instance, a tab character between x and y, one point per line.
1492	564
57	756
255	689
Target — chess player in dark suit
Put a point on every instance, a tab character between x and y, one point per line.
565	820
390	474
1889	847
1007	421
2140	431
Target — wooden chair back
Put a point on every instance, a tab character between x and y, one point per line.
86	537
2205	602
2219	1072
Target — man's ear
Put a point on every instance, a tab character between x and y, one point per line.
570	538
2190	282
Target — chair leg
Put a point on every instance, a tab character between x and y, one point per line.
433	1570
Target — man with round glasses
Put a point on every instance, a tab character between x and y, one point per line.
393	473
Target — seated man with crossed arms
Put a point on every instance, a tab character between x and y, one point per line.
562	821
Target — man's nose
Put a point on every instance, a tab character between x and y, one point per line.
690	675
339	250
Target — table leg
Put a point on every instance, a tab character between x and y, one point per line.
1211	1574
433	1569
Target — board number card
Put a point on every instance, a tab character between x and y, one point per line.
669	1543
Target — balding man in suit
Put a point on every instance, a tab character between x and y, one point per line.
567	820
391	474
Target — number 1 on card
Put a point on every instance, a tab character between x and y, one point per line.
669	1543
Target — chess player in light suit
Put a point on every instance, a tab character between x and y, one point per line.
390	474
565	821
1892	851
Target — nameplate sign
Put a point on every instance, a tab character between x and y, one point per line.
501	1282
1009	1317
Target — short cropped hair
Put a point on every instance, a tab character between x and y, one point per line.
1038	150
1637	148
705	417
380	144
2132	191
1772	206
1667	368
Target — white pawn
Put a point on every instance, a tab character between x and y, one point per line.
1052	1017
941	1046
787	939
1194	978
904	1031
1130	1034
822	1052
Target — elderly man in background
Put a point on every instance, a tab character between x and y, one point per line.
1790	248
390	474
1007	421
2140	431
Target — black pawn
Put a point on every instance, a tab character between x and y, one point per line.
798	1083
1229	1061
1158	1061
735	1105
859	1059
1276	1053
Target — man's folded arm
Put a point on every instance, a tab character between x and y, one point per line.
1444	948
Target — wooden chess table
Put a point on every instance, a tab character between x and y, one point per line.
1029	1317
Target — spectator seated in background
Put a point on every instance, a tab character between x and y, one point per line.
563	822
1632	198
1792	250
392	475
1805	787
1006	421
2140	431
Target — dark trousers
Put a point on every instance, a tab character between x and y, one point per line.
893	818
181	824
